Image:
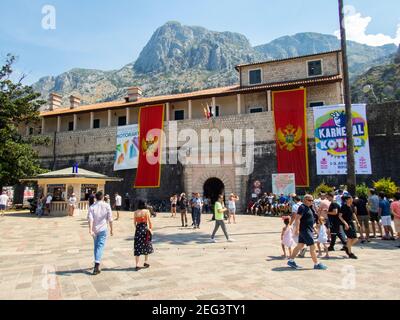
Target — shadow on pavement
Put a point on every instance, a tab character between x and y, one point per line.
379	244
29	215
131	269
71	272
179	238
280	269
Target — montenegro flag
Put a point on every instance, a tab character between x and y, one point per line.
291	134
151	121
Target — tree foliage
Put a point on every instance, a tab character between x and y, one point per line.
19	106
362	190
322	188
387	186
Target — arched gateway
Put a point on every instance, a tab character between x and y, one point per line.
212	188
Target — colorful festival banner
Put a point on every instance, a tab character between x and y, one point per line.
151	120
127	150
291	133
330	140
283	183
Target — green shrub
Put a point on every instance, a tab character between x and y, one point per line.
387	186
362	190
323	187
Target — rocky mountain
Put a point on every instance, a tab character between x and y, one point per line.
380	83
180	58
174	48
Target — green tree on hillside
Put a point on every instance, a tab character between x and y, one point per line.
19	104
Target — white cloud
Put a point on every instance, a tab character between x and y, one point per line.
356	29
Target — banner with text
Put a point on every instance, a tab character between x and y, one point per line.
127	150
330	140
291	134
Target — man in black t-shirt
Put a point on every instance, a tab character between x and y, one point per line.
336	224
362	213
304	222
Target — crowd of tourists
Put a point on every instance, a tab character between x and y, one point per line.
270	204
307	222
100	218
317	223
198	205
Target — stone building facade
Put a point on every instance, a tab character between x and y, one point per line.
87	134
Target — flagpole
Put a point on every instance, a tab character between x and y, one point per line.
351	173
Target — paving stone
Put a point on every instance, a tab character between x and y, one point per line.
185	265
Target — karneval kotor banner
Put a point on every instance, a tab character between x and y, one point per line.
127	150
151	120
330	140
291	134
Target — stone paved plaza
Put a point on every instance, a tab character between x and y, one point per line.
51	258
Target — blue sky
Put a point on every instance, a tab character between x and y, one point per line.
109	34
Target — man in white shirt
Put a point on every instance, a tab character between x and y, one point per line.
118	204
48	203
99	216
3	202
72	204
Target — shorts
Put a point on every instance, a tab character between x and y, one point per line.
173	206
386	221
232	210
351	232
118	208
364	221
306	237
2	207
374	216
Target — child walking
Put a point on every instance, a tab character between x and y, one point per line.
287	237
322	237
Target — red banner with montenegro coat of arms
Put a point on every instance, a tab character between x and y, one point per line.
291	134
151	121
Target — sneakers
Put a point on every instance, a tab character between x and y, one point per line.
320	266
293	265
96	269
213	240
231	240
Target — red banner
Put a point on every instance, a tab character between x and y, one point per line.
291	134
151	120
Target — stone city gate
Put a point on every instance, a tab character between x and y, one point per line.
196	176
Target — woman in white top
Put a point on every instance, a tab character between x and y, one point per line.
107	199
232	207
72	204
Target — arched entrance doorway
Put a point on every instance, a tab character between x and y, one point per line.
212	188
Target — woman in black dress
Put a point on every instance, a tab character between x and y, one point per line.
143	234
347	215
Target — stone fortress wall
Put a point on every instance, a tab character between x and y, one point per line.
94	150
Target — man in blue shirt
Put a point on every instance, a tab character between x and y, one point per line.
304	222
197	205
384	211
